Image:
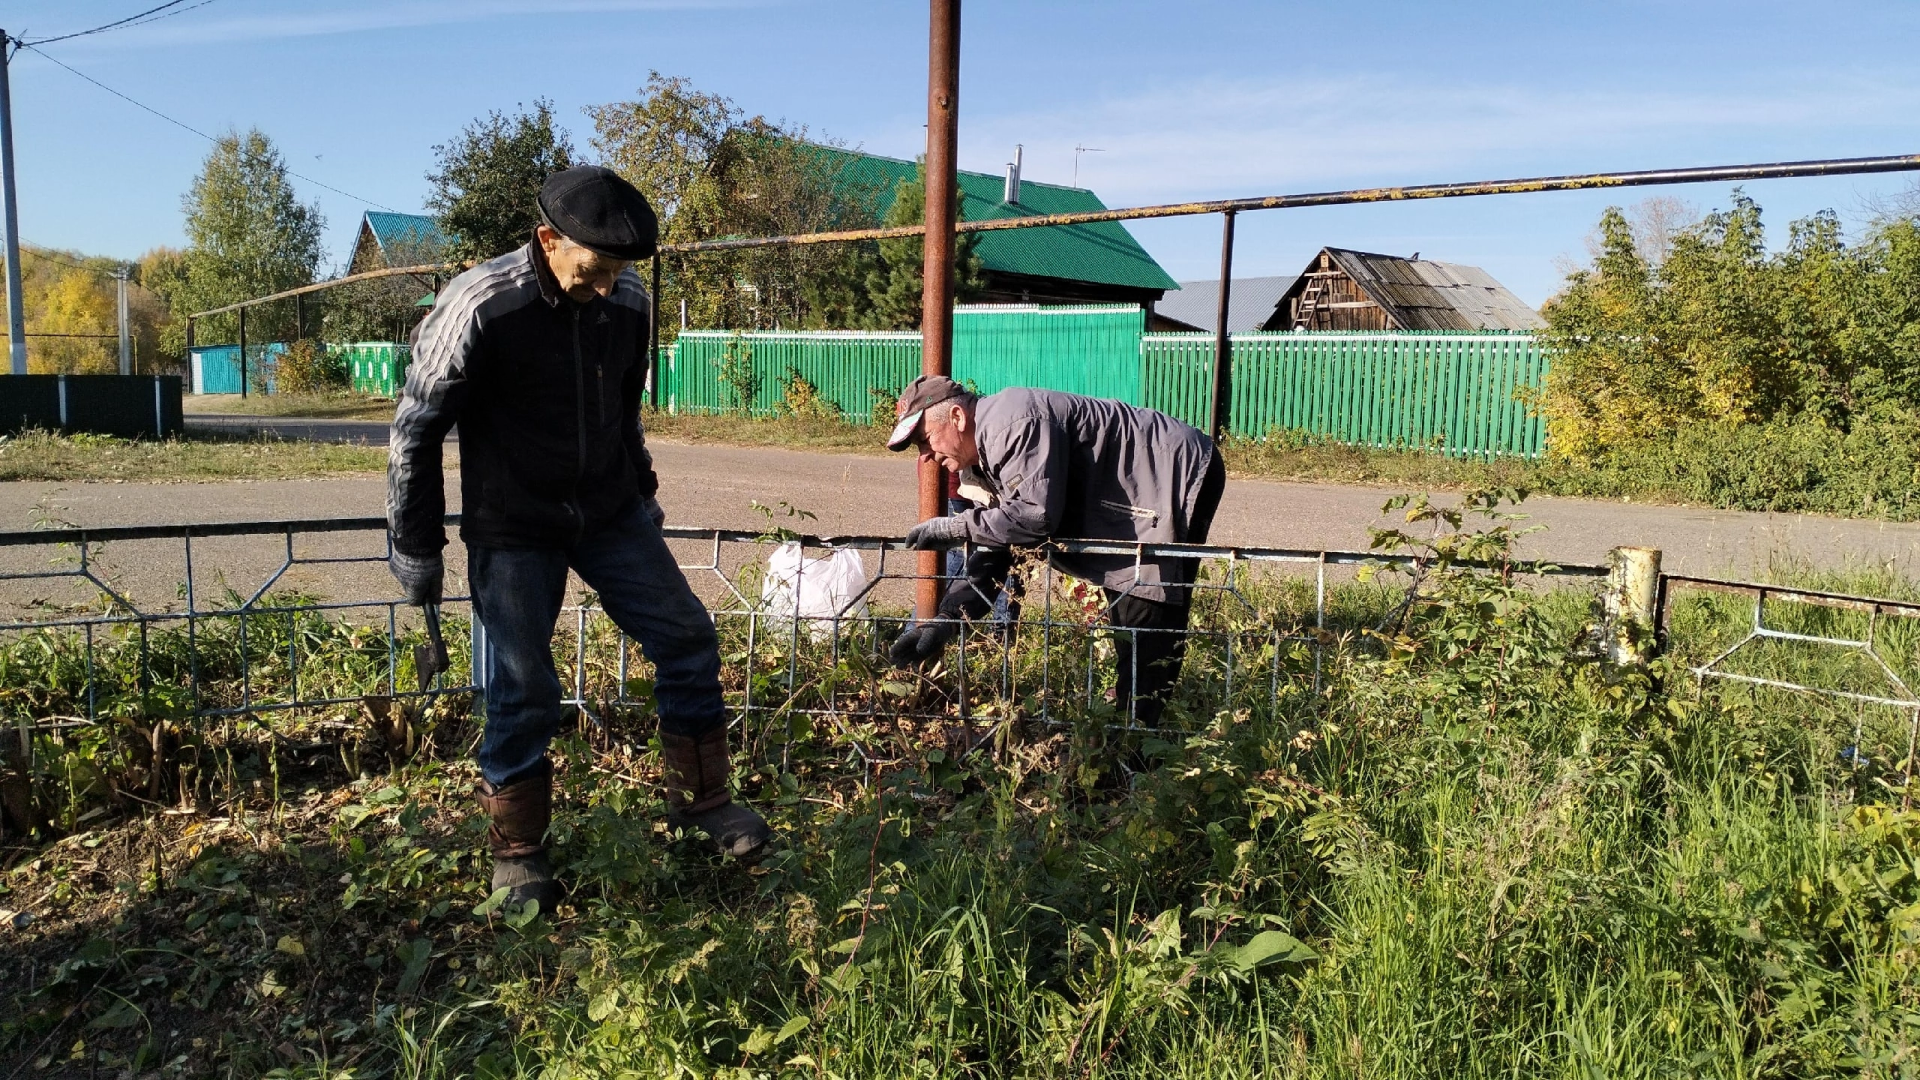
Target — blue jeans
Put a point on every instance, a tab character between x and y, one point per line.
517	596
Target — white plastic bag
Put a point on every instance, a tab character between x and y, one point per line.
815	590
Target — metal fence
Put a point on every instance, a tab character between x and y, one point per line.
1264	626
715	371
1259	632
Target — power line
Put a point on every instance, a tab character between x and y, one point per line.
188	127
128	21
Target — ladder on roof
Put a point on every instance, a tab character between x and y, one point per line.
1309	305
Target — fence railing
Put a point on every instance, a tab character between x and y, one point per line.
1264	627
1461	394
275	648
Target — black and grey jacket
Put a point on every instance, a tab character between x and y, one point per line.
546	393
1062	465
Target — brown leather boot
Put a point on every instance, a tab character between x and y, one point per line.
697	796
521	812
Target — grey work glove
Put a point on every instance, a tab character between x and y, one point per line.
655	512
941	532
924	643
420	576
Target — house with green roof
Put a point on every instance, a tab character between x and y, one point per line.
388	239
1071	264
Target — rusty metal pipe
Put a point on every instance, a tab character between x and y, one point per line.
1219	417
1578	182
936	296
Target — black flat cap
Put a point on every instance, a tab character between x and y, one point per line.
593	207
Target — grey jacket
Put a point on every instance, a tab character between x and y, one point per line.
1062	465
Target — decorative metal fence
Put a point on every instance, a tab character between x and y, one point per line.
123	650
202	650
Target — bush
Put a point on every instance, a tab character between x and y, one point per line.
307	367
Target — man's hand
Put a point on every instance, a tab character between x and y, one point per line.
656	513
420	576
941	532
924	643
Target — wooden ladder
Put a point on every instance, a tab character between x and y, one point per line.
1309	304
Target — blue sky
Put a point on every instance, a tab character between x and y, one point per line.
1185	100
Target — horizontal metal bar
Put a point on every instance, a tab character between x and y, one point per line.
1904	608
1812	639
320	286
1781	684
1575	182
746	536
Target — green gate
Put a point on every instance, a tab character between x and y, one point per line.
375	367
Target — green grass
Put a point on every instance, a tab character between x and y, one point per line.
195	456
329	406
1467	852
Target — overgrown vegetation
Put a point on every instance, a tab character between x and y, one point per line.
1463	850
1713	333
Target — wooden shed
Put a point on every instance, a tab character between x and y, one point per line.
1360	290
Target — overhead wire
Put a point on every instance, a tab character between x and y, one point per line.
188	127
130	20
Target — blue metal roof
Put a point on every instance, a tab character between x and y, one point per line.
412	230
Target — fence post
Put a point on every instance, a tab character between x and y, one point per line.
243	354
936	297
1627	610
1219	415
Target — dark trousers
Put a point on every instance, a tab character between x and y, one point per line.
517	596
1149	656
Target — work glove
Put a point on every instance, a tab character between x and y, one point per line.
941	532
923	644
656	513
420	576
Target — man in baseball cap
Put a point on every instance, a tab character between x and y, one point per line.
1040	464
539	356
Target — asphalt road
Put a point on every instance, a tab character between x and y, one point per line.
711	485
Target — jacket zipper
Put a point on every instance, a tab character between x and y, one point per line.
580	418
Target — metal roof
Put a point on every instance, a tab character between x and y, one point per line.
1424	295
1249	305
1103	253
417	231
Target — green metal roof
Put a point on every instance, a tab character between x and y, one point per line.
1103	253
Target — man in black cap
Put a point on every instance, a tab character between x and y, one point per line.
1040	464
539	356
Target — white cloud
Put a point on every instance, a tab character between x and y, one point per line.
1216	137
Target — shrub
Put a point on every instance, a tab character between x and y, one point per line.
307	367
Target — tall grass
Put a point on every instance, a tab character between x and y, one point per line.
1468	852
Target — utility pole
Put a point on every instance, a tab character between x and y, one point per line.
126	338
936	298
16	316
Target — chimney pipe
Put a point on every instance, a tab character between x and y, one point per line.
1012	194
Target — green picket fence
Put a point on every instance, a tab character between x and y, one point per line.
1455	393
375	367
1451	392
717	371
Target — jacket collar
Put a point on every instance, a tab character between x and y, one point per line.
549	285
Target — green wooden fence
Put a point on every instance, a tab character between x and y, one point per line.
716	371
1451	392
